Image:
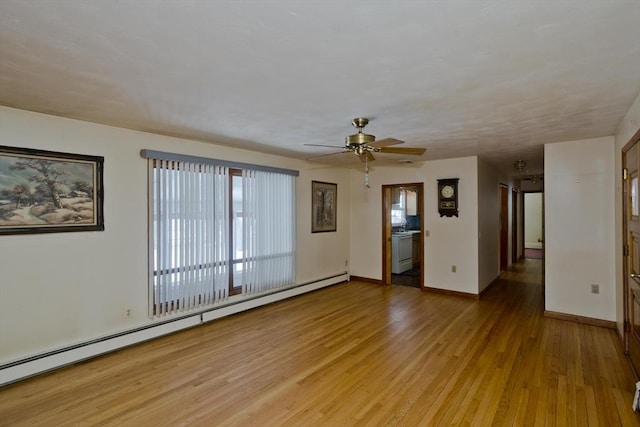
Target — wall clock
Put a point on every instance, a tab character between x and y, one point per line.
448	197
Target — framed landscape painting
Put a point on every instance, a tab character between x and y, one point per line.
324	198
48	192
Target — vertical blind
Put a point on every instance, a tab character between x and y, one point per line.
196	254
189	205
269	224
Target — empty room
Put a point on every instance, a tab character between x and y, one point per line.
337	213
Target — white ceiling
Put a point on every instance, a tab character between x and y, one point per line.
491	78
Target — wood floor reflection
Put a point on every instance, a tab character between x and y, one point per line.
408	278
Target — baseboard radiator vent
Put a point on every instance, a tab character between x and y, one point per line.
56	359
25	368
217	313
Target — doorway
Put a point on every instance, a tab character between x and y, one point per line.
403	234
514	225
533	225
504	227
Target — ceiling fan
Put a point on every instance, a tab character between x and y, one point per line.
364	145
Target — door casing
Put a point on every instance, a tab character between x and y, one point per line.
387	228
631	340
504	227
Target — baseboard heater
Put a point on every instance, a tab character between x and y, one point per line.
28	367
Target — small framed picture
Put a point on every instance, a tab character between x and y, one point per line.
49	192
324	199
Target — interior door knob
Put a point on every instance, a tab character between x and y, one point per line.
635	276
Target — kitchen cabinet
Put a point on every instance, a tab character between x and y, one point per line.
412	202
401	252
396	196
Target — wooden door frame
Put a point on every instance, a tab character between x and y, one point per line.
504	219
522	214
386	234
514	224
386	230
626	326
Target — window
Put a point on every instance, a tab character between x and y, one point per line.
217	231
236	236
634	195
398	212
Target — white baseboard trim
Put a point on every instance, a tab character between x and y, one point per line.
39	364
28	367
208	316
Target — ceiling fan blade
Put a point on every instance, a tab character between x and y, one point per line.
318	145
368	157
325	155
403	150
386	142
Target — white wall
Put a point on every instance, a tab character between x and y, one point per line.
46	305
626	130
529	186
533	220
451	241
321	254
579	227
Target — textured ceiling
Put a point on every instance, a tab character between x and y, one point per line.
496	79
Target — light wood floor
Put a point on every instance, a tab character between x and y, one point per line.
353	354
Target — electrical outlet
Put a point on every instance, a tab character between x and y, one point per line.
595	288
127	312
346	263
453	268
426	233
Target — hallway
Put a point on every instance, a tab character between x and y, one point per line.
353	354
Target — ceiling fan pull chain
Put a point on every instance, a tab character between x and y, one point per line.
366	174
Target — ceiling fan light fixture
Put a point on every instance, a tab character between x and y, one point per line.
519	165
360	122
359	139
363	145
360	150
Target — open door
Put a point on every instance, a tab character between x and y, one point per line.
403	234
631	264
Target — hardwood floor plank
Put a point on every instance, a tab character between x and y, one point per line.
592	408
355	354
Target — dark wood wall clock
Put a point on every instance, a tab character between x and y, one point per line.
448	197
